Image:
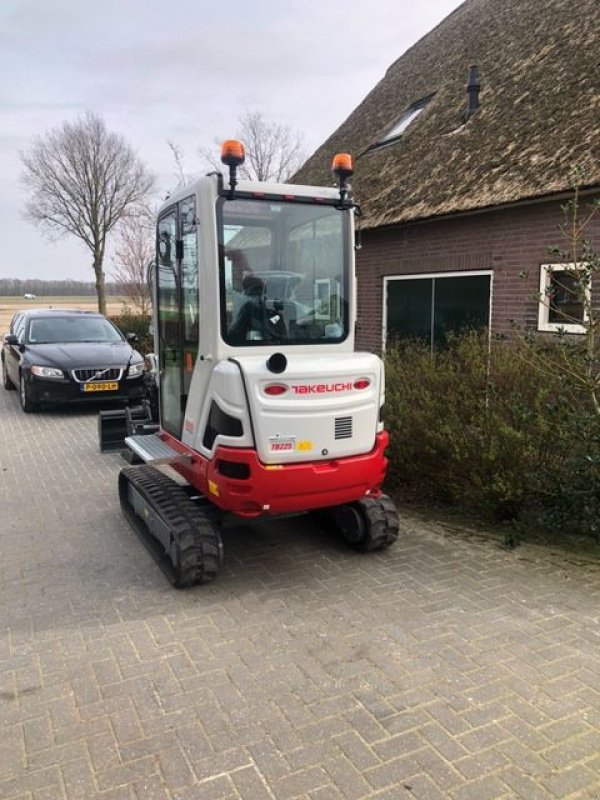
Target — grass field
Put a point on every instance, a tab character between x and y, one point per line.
10	305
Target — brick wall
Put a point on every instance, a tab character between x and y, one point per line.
507	242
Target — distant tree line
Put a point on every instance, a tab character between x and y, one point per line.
17	287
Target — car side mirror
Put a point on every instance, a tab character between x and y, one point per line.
131	337
11	339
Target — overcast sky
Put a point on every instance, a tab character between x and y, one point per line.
182	71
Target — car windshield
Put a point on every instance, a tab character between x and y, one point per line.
65	330
284	272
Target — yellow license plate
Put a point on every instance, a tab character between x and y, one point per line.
100	386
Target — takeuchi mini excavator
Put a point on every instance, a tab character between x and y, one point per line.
264	406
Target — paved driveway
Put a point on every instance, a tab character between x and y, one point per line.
443	668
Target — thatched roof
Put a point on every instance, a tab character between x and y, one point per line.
539	66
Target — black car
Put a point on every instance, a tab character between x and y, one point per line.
62	356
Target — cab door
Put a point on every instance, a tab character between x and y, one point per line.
177	306
169	324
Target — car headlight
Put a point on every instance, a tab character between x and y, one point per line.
135	370
47	372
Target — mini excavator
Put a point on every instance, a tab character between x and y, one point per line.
264	407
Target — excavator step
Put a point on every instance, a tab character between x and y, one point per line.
153	450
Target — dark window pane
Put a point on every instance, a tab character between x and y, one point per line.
565	296
409	309
460	303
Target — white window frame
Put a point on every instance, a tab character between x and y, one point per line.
544	323
473	273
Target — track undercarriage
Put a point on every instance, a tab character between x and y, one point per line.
181	530
181	533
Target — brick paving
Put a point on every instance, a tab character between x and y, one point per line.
445	667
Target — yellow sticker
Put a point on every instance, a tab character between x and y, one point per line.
213	488
304	445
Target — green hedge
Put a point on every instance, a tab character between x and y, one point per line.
484	428
138	324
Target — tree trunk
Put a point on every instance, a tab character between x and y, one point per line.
100	286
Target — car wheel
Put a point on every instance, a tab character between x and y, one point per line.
6	381
25	397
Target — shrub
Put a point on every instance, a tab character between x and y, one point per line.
478	426
139	324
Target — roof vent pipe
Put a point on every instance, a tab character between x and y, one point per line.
473	88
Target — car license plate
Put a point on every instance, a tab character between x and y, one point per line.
100	386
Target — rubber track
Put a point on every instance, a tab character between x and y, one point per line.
382	521
200	545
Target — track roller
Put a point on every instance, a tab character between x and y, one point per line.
180	534
369	524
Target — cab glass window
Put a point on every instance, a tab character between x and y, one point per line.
284	272
189	287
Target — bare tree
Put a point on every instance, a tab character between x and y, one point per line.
133	253
572	301
183	177
274	152
83	180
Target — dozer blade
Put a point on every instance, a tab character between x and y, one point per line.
112	430
115	425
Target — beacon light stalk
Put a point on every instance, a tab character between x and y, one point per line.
342	168
233	156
